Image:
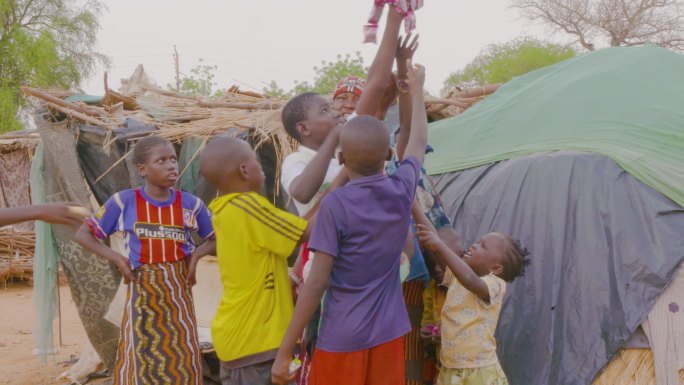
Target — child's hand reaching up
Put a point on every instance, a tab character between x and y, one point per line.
429	239
416	76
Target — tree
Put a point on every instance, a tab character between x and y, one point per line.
199	83
272	90
499	63
329	73
610	22
44	43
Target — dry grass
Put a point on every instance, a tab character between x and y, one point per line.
631	367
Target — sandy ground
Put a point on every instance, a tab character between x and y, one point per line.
18	364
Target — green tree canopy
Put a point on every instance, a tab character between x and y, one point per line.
44	43
200	82
499	63
327	76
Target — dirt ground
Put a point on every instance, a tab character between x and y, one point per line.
19	365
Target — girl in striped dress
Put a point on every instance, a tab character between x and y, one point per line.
158	343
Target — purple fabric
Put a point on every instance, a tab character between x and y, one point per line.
364	225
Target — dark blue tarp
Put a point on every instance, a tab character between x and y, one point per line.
603	246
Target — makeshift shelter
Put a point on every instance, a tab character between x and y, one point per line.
583	162
16	242
87	141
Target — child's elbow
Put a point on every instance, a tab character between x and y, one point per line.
81	236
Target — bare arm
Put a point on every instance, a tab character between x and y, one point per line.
340	180
405	51
86	239
207	248
308	301
465	275
418	136
380	69
305	186
55	213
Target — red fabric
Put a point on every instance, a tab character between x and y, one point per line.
305	259
379	365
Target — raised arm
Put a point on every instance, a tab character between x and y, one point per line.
380	69
418	136
405	51
305	186
464	273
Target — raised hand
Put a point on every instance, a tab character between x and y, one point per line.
416	76
406	47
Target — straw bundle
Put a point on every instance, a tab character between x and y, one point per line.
630	367
16	254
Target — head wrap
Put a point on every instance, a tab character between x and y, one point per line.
353	84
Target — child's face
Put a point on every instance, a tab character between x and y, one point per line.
321	119
160	167
484	257
345	103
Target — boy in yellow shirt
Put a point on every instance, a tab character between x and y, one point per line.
253	241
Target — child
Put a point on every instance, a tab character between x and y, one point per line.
159	331
255	240
473	303
56	213
358	240
309	119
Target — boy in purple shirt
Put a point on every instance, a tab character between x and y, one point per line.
358	239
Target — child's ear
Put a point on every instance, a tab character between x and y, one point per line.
389	155
142	170
302	129
242	171
340	158
497	270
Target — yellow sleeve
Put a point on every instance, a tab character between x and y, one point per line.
272	229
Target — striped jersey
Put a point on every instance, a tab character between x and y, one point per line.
153	231
253	243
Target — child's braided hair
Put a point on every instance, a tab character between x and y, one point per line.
515	261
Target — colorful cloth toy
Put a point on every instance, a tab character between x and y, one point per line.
405	7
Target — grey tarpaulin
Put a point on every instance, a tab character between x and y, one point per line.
603	247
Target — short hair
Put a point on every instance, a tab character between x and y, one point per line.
142	148
365	143
295	111
514	260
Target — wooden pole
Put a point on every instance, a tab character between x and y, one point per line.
176	62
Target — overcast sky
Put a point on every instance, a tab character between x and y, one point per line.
255	41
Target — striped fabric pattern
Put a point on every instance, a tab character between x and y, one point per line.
413	345
251	206
160	249
159	343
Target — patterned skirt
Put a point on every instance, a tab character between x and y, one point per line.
159	343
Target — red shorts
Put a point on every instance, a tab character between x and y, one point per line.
379	365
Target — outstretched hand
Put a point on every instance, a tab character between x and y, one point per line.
416	76
63	214
406	48
428	239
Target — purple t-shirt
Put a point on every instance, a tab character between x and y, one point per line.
364	226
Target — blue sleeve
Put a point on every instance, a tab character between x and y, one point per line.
201	218
108	219
325	236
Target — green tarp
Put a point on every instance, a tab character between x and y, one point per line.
625	103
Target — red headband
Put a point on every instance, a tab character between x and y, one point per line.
353	84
